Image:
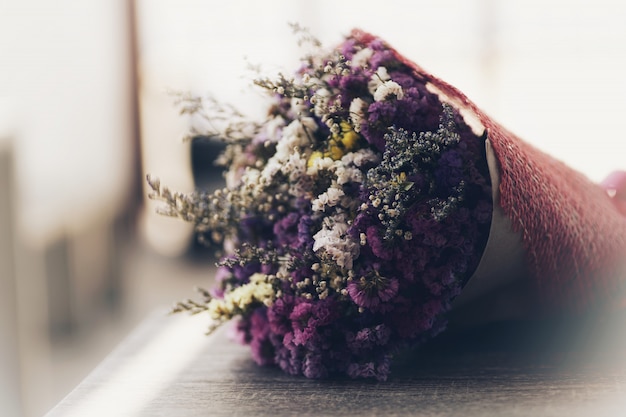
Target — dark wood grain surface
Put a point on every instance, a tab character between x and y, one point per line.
167	367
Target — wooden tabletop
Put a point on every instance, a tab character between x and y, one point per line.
167	367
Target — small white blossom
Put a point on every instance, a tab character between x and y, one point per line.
346	174
318	205
273	128
361	58
380	76
321	99
334	194
270	169
309	124
333	240
252	179
329	198
357	113
387	90
298	106
319	164
295	166
364	156
234	174
297	135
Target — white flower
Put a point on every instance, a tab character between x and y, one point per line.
297	133
360	58
380	76
253	179
295	166
273	128
357	113
239	300
333	240
319	164
298	106
387	90
364	156
270	169
329	198
334	194
309	124
346	174
320	102
343	175
318	205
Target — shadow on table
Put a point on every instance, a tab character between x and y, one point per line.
561	343
548	368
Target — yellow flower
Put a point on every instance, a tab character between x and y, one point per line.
341	142
345	140
335	152
314	156
349	138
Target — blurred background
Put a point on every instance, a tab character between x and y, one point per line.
85	114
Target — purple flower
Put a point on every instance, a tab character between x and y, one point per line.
368	338
286	229
353	86
313	366
278	315
348	48
306	317
410	322
365	370
376	242
260	344
436	240
370	369
287	355
381	58
305	235
449	171
255	229
303	323
371	290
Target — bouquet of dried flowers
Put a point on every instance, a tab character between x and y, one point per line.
352	216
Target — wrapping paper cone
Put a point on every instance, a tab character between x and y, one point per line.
553	228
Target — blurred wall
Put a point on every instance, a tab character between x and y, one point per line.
10	396
64	69
65	75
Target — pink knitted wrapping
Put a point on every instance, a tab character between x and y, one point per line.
573	234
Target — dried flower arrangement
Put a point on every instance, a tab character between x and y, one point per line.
352	216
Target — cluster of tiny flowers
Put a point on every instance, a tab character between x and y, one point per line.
351	218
